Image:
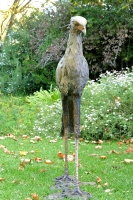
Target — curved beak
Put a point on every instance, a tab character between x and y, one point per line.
84	30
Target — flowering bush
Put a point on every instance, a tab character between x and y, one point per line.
106	109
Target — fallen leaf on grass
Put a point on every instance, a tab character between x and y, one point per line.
8	151
2	138
22	165
2	146
128	160
37	138
130	150
39	160
26	160
28	198
70	158
25	137
99	180
105	184
11	136
53	141
108	190
113	151
1	179
116	152
128	141
43	170
35	196
60	155
32	141
119	143
98	147
32	152
23	153
103	157
48	162
97	142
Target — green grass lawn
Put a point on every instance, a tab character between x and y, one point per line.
25	173
106	113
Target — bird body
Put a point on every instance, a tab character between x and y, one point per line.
72	74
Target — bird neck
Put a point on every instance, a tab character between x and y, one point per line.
74	45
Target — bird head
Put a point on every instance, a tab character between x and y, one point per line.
79	23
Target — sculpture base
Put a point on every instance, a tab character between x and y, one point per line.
65	189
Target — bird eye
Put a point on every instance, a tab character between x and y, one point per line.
76	24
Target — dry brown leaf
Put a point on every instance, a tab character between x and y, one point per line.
99	180
103	157
21	168
26	160
32	141
98	147
8	151
37	138
116	152
70	157
2	138
32	151
1	179
60	155
97	142
53	141
48	162
22	164
2	146
130	150
128	160
11	136
108	190
119	143
25	137
105	184
39	160
23	153
35	196
43	170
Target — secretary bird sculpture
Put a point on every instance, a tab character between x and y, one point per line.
72	74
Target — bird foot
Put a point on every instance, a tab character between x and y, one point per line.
77	192
84	195
64	177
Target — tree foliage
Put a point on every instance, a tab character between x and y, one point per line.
9	16
35	44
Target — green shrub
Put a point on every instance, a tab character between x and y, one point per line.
108	107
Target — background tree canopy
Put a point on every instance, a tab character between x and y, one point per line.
34	44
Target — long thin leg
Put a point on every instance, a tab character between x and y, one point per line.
65	120
76	103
